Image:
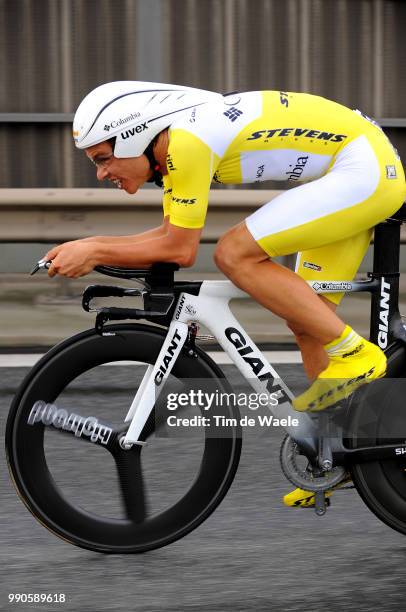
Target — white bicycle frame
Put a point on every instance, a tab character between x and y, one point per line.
211	308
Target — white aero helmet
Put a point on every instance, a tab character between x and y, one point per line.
134	112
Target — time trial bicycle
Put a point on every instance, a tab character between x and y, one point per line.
83	440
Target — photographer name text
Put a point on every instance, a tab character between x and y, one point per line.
217	420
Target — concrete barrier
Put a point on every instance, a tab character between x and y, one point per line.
54	215
57	215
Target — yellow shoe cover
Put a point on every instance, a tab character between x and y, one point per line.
344	374
299	498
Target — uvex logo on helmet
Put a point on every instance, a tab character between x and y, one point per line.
135	130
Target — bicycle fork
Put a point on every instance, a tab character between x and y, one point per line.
153	382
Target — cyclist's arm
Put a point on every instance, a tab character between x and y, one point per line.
74	259
176	244
156	232
191	165
131	238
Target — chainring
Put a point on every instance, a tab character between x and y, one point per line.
305	478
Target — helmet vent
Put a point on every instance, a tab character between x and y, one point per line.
165	98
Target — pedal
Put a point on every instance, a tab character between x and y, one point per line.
320	503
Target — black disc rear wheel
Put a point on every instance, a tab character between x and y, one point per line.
379	417
103	497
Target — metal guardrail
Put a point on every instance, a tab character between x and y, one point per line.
391	122
36	117
58	215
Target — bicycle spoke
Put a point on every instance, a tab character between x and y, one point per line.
132	484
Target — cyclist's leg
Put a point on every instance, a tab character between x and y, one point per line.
337	261
289	296
355	195
274	286
314	357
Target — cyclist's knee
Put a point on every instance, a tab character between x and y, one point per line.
235	249
226	256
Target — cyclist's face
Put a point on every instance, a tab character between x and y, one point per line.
126	173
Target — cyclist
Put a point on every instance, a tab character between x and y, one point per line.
184	138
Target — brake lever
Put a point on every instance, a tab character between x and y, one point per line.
41	265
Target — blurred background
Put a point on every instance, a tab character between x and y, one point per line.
53	52
253	554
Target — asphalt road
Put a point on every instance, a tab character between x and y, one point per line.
251	554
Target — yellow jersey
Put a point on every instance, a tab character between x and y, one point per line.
252	137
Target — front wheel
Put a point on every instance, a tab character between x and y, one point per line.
98	495
380	418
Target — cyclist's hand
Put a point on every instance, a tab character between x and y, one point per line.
72	259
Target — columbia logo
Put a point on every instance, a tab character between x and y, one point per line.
106	128
233	113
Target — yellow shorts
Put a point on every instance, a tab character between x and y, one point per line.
329	221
